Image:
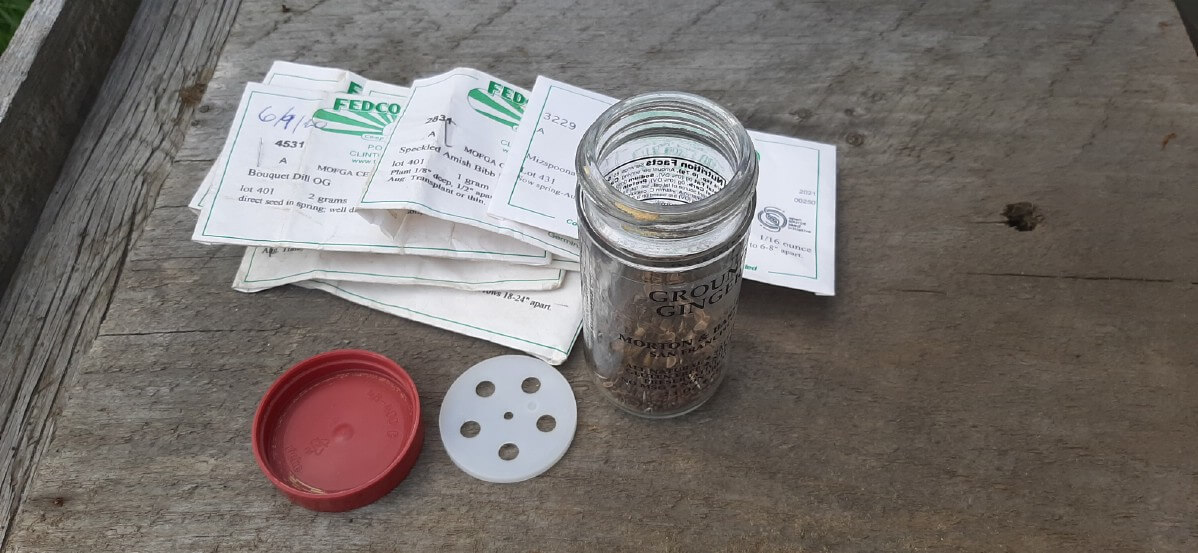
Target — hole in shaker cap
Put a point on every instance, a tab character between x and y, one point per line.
484	388
530	385
507	452
546	423
470	429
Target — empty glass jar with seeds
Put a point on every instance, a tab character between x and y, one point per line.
666	191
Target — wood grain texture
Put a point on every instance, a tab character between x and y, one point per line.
49	76
971	388
60	292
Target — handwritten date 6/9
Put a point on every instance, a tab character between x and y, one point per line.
560	121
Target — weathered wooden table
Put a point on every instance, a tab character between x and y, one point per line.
970	388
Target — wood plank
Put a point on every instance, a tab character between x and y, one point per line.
49	76
971	388
59	294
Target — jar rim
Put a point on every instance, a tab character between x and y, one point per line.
743	160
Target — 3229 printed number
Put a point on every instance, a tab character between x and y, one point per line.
560	121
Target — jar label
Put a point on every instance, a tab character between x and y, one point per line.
659	341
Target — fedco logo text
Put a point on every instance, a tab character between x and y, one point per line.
366	106
496	89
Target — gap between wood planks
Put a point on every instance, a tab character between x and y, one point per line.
1080	277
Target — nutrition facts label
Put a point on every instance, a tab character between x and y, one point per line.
665	180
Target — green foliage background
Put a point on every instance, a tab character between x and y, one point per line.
10	16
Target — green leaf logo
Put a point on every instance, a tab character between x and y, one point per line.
360	118
498	103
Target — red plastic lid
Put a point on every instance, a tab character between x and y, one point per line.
339	430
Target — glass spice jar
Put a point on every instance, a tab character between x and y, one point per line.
666	192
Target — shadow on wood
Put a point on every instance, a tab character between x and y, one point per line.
49	77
